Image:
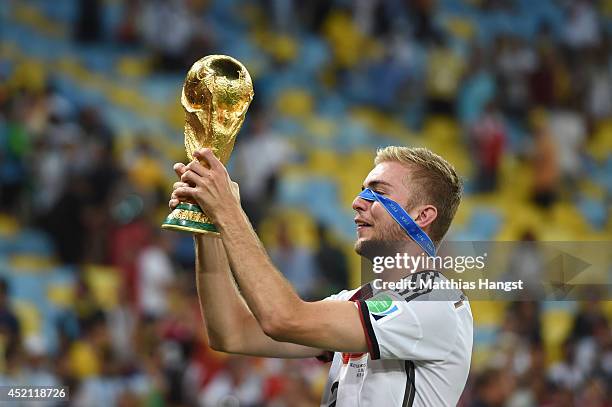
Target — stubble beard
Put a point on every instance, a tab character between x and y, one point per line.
388	240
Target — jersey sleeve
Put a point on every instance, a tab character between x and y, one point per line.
410	330
342	295
328	356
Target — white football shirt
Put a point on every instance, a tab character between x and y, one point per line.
419	348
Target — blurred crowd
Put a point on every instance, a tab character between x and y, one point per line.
518	373
63	175
65	170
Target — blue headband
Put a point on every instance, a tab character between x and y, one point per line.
403	219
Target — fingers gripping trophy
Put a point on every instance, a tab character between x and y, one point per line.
216	95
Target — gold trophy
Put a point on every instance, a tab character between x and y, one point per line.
216	95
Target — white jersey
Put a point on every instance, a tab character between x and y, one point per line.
419	348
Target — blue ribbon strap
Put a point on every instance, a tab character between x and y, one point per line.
403	219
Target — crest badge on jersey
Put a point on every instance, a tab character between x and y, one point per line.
384	306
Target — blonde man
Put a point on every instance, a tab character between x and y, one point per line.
390	348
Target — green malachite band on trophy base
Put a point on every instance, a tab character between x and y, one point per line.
189	225
186	217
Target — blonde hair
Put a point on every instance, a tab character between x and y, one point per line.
433	180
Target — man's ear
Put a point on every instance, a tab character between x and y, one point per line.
425	215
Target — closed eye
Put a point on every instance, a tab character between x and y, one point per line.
374	190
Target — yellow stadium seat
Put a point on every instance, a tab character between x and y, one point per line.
459	157
29	74
146	173
28	316
527	218
96	81
464	212
354	265
302	228
515	180
359	163
83	360
174	115
489	313
367	116
104	282
461	27
592	190
295	103
267	231
607	308
296	171
284	48
442	129
8	225
33	17
31	263
128	98
133	67
323	162
61	295
348	44
481	356
320	128
600	144
349	185
69	65
398	130
567	215
362	158
556	325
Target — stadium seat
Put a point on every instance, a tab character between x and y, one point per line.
29	317
487	312
104	284
30	263
61	295
556	325
295	103
8	225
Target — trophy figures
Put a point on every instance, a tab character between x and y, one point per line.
216	95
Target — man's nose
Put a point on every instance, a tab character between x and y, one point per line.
360	204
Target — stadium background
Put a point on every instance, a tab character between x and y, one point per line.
517	94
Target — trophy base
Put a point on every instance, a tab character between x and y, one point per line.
188	217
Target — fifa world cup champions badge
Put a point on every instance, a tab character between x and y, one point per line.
216	95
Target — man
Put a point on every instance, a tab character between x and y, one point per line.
414	352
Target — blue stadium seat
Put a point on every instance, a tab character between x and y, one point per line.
33	242
595	211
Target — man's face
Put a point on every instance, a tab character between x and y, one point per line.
375	227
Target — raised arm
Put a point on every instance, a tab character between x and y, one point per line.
230	325
281	314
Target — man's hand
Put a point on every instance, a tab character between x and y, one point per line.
211	188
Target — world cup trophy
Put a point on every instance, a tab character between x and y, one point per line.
215	96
